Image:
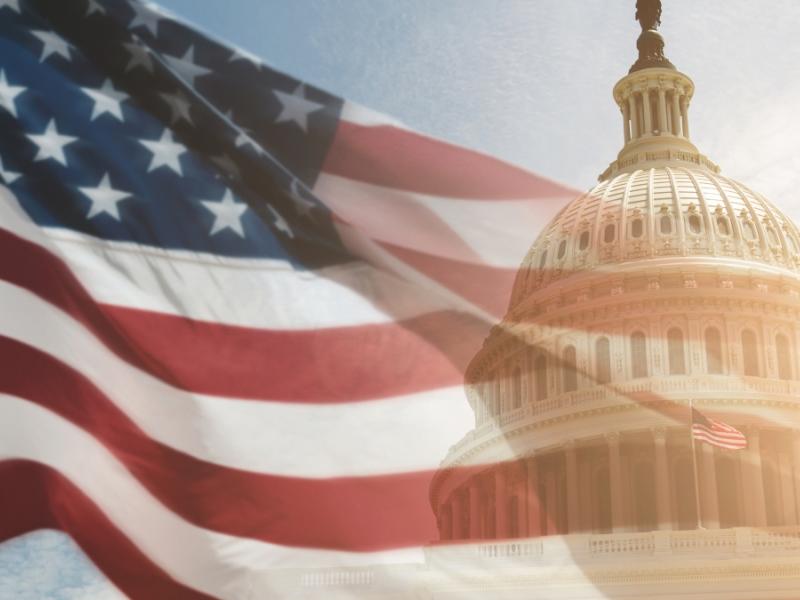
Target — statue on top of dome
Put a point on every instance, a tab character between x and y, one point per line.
648	13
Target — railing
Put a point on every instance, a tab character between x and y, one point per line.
701	543
695	385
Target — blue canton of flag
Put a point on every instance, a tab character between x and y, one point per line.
155	133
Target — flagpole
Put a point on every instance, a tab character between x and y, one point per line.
694	466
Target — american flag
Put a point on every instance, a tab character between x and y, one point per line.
716	433
235	309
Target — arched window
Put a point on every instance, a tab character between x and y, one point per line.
792	242
713	351
695	225
772	236
543	259
562	249
516	387
583	241
602	355
609	233
540	375
723	226
784	356
750	353
638	355
570	373
637	228
677	357
665	224
749	230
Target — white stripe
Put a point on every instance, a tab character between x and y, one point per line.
359	438
247	292
498	231
218	564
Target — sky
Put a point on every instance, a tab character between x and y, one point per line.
526	80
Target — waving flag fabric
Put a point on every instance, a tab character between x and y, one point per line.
716	433
234	309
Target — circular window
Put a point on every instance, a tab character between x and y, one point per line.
694	224
583	242
723	226
637	228
665	225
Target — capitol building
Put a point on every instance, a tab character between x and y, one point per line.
666	286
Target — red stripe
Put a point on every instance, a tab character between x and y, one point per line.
341	364
402	159
36	497
482	285
354	513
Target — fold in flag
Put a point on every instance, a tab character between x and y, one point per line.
229	301
716	433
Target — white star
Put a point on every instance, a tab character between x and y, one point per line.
302	205
295	108
8	93
227	214
12	4
52	44
107	99
280	222
94	7
8	176
104	199
51	143
179	107
147	16
186	67
140	57
166	152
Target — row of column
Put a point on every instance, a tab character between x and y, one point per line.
531	522
638	118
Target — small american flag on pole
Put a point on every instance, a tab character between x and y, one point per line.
716	433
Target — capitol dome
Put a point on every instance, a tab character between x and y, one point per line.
667	287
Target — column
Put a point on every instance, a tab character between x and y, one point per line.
796	469
685	116
710	505
663	491
552	503
456	506
662	111
573	506
648	117
446	531
533	504
501	503
474	511
676	113
634	116
626	126
615	473
787	489
522	511
754	481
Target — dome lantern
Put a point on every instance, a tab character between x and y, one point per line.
654	101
